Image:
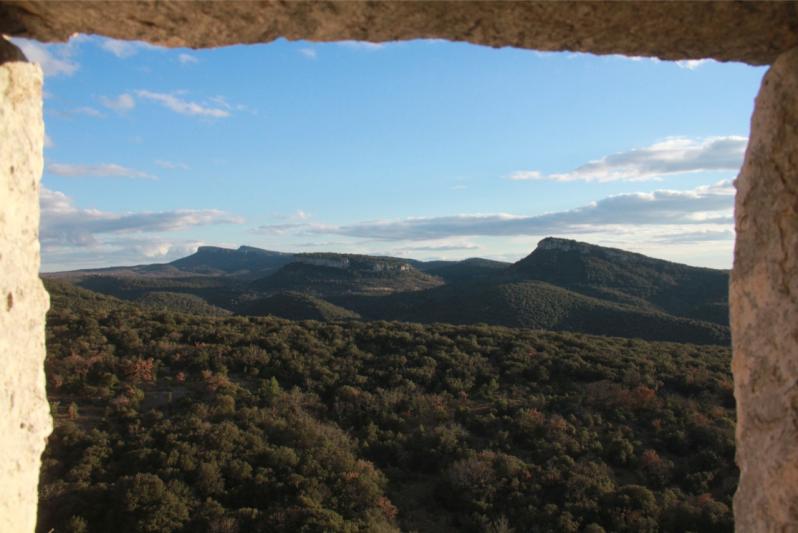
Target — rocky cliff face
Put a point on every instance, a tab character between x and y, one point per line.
360	263
25	422
567	245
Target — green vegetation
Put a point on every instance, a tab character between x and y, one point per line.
629	278
181	303
534	304
465	271
298	306
176	422
361	275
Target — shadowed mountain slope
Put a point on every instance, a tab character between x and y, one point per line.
335	274
246	261
629	278
297	306
562	285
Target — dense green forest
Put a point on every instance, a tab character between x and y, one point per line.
176	422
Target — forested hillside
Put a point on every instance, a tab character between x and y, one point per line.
176	422
563	285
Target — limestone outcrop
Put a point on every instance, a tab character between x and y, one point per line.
25	421
749	31
764	308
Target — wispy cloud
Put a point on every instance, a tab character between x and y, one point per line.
525	175
697	236
183	107
449	247
103	170
123	102
309	53
124	49
708	206
691	64
63	223
48	142
54	59
86	110
171	165
115	251
187	59
675	155
362	45
121	49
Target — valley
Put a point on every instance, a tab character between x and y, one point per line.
182	421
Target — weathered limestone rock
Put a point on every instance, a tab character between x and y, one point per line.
25	421
764	292
754	32
764	309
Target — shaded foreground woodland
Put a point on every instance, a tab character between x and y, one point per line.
168	421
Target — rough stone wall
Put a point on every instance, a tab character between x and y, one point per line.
764	309
751	31
24	412
764	290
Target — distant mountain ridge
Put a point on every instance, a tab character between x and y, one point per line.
246	261
562	285
334	274
628	278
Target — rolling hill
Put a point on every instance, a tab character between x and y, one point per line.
336	274
297	306
562	285
629	278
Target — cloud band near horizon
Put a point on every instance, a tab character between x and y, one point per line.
62	223
674	155
707	205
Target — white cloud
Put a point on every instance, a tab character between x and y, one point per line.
222	102
171	165
121	49
707	208
48	142
697	236
675	155
525	175
64	224
104	170
54	59
288	229
361	45
630	58
309	53
116	251
187	58
124	49
445	247
123	102
86	110
690	64
184	107
297	216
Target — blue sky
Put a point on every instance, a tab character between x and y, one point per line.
424	149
